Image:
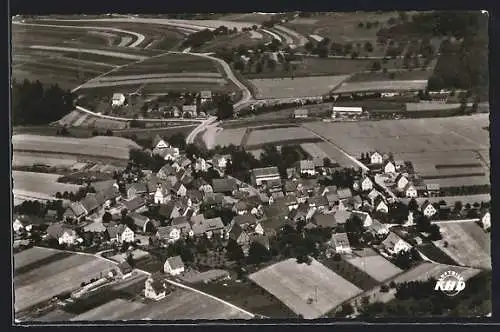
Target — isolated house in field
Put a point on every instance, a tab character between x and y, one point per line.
428	209
401	182
389	167
393	244
174	266
155	287
485	220
300	113
189	111
306	167
339	111
118	99
120	233
205	96
260	175
376	158
340	242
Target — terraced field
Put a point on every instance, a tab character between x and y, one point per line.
109	147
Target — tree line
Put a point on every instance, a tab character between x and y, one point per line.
36	104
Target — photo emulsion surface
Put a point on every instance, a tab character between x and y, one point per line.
250	166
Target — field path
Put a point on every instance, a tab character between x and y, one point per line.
139	37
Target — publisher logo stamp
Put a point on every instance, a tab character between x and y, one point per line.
450	283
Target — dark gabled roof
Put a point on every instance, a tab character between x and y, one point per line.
262	239
213	198
77	209
319	201
224	185
177	186
115	230
290	186
139	219
344	193
167	209
134	203
163	232
57	230
265	171
175	262
90	202
340	239
324	220
235	232
179	220
378	200
166	171
205	225
157	282
156	140
187	179
198	182
106	194
195	195
139	187
341	217
391	240
246	219
125	267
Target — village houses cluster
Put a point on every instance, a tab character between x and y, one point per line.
261	208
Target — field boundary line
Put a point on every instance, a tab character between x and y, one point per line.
203	293
140	37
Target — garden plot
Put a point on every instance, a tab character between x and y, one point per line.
227	137
43	183
51	279
314	150
296	87
467	244
29	159
376	267
373	86
309	290
278	135
102	146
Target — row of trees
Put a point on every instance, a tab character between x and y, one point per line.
418	298
36	104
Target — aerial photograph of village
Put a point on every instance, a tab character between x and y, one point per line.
250	166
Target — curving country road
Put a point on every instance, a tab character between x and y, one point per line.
139	37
